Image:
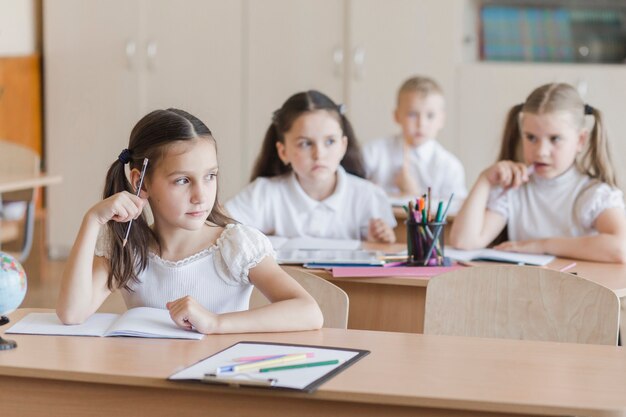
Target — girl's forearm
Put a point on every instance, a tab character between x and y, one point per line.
288	315
603	247
468	225
75	297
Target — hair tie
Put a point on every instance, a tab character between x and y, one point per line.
125	156
341	108
588	109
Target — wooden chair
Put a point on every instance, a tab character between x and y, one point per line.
333	301
17	160
521	302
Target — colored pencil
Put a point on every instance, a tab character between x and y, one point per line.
300	365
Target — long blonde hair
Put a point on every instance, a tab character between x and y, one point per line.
594	161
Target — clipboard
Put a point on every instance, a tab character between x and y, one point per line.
296	378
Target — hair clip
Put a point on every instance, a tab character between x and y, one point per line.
125	156
341	108
588	109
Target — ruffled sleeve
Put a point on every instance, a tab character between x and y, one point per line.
498	201
103	243
594	200
239	249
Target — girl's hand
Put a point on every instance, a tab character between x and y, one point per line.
526	246
187	313
120	207
379	231
506	174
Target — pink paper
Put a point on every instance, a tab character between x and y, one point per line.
393	271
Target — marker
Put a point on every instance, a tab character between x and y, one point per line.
301	365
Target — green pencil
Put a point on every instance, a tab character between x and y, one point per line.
302	365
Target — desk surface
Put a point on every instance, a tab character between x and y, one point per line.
21	182
403	374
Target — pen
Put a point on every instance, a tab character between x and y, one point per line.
438	232
567	267
300	365
439	212
143	173
238	380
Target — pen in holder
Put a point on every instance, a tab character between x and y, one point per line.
425	243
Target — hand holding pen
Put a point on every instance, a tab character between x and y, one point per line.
508	174
143	173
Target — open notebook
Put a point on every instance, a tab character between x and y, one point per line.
498	256
136	322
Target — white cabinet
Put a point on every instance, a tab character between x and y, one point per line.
107	63
356	51
290	46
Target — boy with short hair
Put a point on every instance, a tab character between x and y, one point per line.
407	164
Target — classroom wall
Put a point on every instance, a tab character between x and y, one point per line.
18	27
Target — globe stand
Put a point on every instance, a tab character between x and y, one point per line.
6	344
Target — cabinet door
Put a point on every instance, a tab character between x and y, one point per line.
391	41
90	100
292	46
191	59
488	91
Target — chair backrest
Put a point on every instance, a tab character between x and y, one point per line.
333	301
521	302
17	160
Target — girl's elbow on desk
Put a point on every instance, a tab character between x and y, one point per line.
70	318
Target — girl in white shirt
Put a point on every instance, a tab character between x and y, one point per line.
193	260
308	178
553	186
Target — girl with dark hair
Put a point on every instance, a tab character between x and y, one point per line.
308	178
193	260
553	187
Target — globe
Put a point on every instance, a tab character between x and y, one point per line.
12	291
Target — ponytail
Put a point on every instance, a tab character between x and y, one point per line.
126	260
510	149
596	160
352	161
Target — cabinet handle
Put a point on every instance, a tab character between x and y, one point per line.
130	50
338	62
358	57
151	52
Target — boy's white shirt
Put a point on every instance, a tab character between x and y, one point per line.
431	166
279	206
567	205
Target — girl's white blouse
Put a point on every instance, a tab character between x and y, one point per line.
567	205
279	206
216	277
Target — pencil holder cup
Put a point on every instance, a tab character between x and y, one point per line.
425	243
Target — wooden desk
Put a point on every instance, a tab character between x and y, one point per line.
397	304
405	375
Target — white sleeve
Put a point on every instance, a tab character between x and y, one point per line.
498	201
379	207
369	159
247	207
103	243
240	248
594	200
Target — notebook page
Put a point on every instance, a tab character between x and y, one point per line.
49	323
149	322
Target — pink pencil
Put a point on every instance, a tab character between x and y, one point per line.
263	357
566	267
